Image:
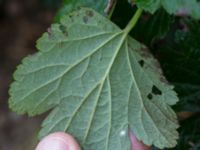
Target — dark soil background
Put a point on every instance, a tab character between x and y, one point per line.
21	23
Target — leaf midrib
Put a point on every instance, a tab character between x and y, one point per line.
101	83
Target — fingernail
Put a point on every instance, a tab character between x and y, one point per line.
58	141
136	144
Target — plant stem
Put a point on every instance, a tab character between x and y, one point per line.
112	10
133	21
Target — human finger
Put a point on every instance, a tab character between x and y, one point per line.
58	141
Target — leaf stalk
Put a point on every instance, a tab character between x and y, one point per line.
133	21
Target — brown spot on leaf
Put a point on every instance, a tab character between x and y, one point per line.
157	65
156	90
164	80
89	13
109	7
145	52
49	32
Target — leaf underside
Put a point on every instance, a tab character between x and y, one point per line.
70	5
98	83
176	7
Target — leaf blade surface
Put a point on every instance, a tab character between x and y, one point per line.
99	82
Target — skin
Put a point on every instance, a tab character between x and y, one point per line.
64	141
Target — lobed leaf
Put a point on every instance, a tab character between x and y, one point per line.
98	83
177	7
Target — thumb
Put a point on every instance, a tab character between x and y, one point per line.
58	141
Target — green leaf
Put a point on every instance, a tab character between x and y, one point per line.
70	5
99	6
177	7
99	83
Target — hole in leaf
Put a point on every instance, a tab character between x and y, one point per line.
156	91
63	29
150	96
141	62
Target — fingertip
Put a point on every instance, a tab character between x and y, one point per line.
58	141
136	144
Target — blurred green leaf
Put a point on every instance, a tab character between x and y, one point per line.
190	97
177	7
180	59
154	26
